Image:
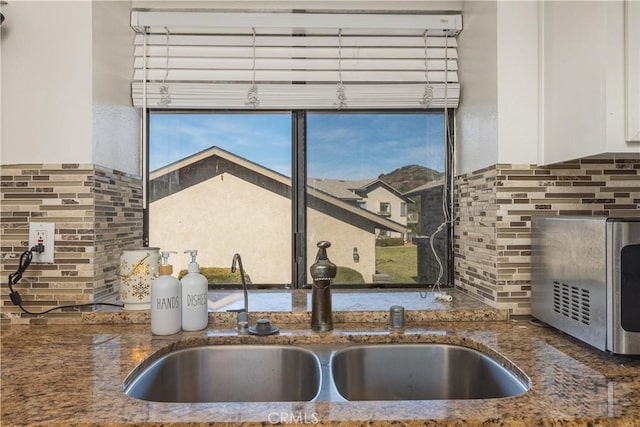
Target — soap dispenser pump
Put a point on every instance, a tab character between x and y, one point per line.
165	299
322	272
195	287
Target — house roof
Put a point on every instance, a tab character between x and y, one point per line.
340	188
214	161
345	189
425	187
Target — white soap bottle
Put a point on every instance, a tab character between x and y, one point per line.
165	299
195	287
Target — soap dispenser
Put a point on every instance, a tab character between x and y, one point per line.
165	299
195	287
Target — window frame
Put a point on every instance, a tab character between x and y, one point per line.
384	208
299	184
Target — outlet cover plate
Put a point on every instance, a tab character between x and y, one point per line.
45	231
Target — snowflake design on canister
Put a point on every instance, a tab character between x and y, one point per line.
140	290
138	281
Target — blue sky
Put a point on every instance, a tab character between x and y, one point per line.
340	145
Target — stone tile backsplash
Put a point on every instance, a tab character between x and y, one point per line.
97	212
494	206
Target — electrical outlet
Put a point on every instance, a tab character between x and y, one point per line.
42	233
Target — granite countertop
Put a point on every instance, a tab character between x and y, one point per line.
73	375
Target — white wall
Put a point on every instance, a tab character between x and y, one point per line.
517	82
497	121
65	75
477	116
66	69
115	122
46	82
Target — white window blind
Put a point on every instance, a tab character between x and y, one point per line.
295	60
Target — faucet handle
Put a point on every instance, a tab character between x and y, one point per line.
243	316
323	269
242	319
322	251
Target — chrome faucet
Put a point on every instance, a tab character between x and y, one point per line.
243	314
322	272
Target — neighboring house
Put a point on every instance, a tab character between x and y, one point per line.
220	204
432	217
373	195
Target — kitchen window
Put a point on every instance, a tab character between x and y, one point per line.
269	185
359	100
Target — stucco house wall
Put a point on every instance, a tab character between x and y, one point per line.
188	219
343	238
220	217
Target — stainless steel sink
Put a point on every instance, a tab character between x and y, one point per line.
229	373
324	372
421	372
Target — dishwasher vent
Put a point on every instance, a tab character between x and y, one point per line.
572	302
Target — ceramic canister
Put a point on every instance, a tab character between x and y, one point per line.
138	268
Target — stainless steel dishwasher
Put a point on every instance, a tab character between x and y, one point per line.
586	279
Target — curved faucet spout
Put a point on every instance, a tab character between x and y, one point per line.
237	259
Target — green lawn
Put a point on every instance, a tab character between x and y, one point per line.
399	262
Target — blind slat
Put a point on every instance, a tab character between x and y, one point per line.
294	64
303	41
295	75
295	52
278	96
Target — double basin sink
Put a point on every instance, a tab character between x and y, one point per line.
324	372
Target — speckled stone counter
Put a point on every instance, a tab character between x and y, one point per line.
73	375
349	307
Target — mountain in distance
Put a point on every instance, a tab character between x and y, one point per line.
409	177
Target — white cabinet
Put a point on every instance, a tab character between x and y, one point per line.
589	67
632	70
